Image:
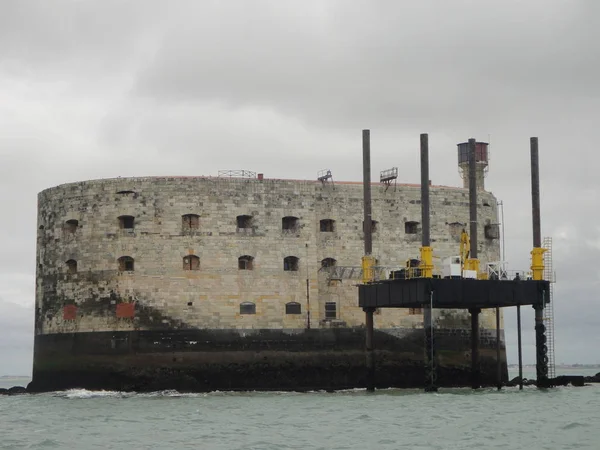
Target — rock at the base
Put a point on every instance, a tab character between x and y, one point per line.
15	390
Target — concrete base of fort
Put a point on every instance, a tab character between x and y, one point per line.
266	360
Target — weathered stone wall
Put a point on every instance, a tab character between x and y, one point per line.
166	295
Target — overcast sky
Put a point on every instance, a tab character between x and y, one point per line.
99	89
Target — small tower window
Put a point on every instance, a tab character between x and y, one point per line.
328	262
125	264
492	231
71	225
293	308
244	222
190	222
290	224
71	266
191	262
247	308
411	227
330	310
126	222
290	263
245	262
327	225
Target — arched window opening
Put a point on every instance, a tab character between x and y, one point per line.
374	224
126	222
125	264
327	225
290	224
247	308
293	308
190	222
290	263
191	262
328	262
71	225
71	266
246	262
411	227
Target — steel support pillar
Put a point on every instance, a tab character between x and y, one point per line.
520	347
475	375
541	349
498	360
369	350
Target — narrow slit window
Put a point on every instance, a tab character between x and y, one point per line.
190	222
327	225
71	266
246	262
247	308
126	264
191	262
293	308
290	263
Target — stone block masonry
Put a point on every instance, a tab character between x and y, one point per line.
209	296
164	257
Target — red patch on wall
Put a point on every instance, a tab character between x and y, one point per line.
125	310
70	312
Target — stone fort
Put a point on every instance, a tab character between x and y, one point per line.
240	255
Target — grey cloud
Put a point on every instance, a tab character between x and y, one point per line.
96	90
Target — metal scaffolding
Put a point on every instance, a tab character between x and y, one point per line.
549	308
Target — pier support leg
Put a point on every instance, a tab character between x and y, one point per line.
369	347
430	372
541	350
475	383
498	360
520	347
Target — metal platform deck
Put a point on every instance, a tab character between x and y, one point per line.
453	293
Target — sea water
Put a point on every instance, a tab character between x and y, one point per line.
560	418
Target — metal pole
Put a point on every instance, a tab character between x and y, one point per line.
473	255
535	193
519	346
430	374
473	199
503	256
541	360
498	361
368	218
425	216
475	384
369	345
368	232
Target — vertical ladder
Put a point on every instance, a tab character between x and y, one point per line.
549	307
